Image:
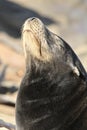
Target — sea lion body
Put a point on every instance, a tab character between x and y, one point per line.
52	94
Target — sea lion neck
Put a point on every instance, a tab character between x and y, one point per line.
36	68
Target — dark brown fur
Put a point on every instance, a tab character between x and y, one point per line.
53	92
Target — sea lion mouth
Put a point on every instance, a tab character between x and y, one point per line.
38	42
27	30
34	39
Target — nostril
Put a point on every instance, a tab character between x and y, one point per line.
32	18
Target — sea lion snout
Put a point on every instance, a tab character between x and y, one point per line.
32	18
34	25
34	39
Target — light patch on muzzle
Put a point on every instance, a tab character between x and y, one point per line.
33	45
35	40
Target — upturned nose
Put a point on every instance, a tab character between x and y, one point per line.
31	19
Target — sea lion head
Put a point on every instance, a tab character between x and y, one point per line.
51	95
38	40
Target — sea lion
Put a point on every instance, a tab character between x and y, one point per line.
53	92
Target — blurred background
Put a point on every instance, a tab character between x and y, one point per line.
66	18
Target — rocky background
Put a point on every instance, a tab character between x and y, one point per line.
67	18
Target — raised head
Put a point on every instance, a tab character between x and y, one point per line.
35	39
38	40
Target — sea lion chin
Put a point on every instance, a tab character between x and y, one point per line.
53	91
34	38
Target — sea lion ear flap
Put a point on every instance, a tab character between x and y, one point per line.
76	71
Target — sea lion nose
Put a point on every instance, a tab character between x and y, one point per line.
31	19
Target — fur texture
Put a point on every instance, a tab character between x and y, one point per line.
52	94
